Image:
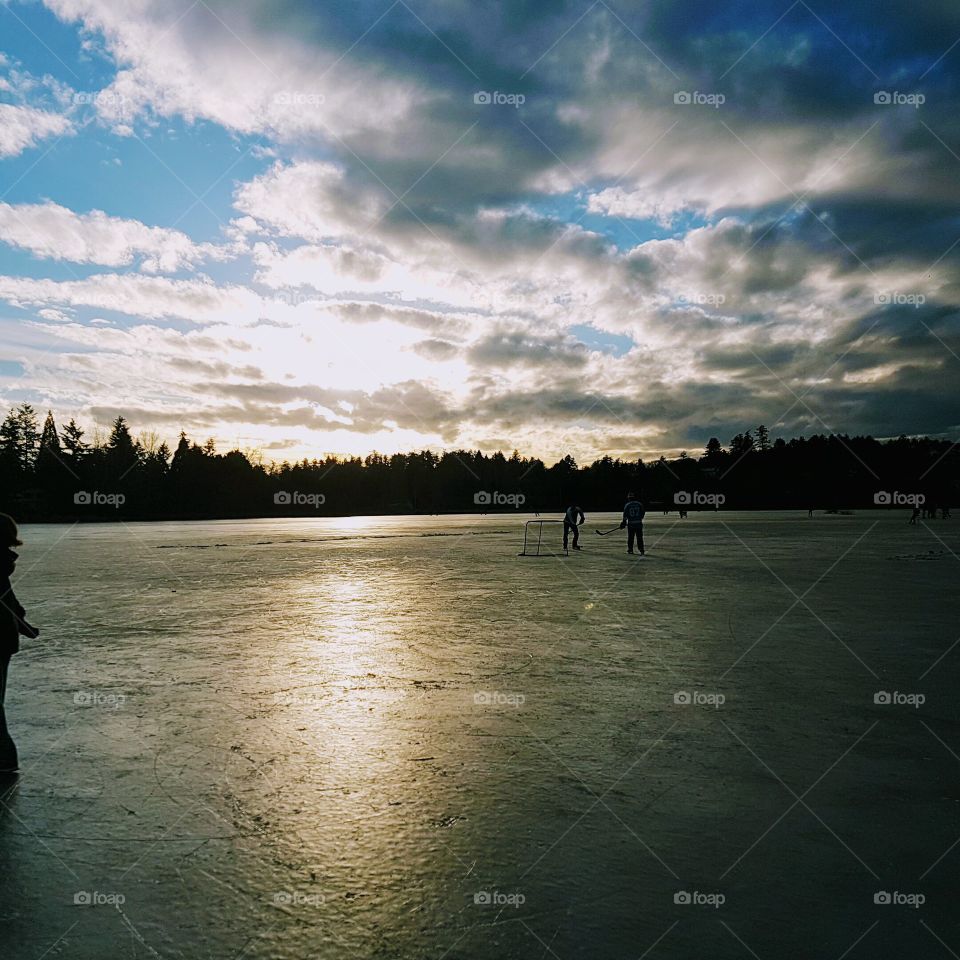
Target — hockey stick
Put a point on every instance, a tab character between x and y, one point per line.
603	533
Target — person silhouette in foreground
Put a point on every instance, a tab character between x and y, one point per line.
571	522
12	626
633	513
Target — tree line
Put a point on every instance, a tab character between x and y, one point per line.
51	473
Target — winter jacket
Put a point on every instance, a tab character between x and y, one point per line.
11	613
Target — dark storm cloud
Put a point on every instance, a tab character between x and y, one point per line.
572	404
409	405
794	72
507	348
790	74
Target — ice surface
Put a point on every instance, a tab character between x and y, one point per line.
330	738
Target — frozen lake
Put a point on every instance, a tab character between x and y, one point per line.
393	738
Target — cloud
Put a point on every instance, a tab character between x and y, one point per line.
436	349
55	232
228	62
198	301
22	127
403	233
505	348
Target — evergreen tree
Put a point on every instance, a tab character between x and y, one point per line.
49	438
50	462
742	443
19	439
73	443
197	482
122	452
180	454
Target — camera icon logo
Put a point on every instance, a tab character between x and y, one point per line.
282	497
682	896
482	97
882	499
882	696
882	96
482	898
283	897
881	896
82	898
682	498
682	96
681	697
82	698
482	496
82	497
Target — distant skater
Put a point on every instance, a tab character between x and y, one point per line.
633	514
572	520
915	516
12	626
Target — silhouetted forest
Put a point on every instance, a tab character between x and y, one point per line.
49	473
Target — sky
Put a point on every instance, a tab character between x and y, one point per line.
587	228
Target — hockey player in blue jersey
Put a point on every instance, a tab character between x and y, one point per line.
633	513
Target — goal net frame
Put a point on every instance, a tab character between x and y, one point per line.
531	549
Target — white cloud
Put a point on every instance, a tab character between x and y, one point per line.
22	127
218	62
309	199
198	301
636	204
55	232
